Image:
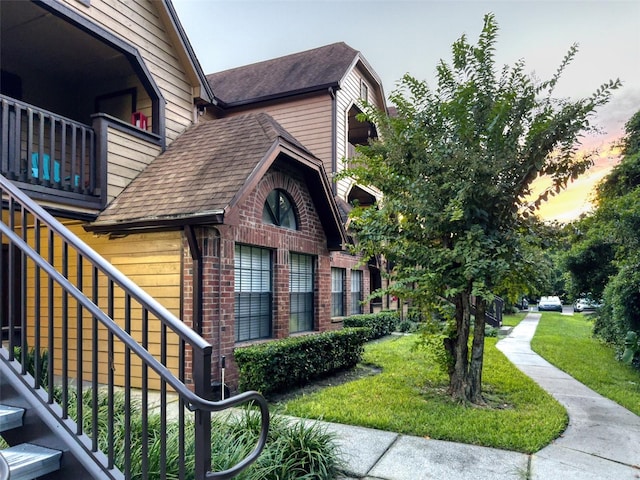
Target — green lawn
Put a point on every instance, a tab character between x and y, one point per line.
513	319
409	397
566	342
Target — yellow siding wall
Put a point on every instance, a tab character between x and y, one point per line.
138	22
152	261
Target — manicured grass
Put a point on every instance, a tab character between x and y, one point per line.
409	397
566	341
513	319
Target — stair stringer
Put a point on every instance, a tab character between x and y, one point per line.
43	425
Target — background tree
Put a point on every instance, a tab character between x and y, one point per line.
539	269
455	168
605	258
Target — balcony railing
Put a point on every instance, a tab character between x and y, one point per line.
53	157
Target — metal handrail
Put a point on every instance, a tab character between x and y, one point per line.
193	401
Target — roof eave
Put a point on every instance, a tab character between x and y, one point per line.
320	187
206	92
158	223
359	59
279	96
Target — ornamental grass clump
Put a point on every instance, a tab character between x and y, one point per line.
294	450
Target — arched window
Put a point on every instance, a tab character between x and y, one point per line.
278	210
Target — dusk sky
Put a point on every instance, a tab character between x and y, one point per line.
397	36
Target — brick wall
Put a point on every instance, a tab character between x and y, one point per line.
218	246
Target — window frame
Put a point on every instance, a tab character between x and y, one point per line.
337	292
364	90
253	306
356	295
287	219
301	292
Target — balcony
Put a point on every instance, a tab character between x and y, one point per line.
68	90
49	156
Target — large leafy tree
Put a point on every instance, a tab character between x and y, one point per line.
455	167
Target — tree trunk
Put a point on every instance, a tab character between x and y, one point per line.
458	347
477	353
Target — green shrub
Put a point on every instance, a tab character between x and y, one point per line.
621	310
380	324
490	331
290	362
407	326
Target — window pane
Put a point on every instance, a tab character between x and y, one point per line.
356	291
301	292
278	210
337	292
253	293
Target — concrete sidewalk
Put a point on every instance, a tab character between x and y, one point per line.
602	441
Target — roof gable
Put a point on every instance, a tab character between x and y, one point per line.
185	51
307	71
211	168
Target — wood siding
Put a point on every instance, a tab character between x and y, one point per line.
139	23
127	156
308	120
346	97
152	261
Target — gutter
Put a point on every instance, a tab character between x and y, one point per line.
215	217
278	96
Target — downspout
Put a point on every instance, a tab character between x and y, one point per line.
334	140
219	308
196	256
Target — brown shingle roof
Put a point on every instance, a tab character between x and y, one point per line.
310	70
208	170
200	172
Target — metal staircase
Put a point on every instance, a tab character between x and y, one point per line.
27	460
493	314
76	335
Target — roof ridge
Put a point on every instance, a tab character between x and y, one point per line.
281	57
308	71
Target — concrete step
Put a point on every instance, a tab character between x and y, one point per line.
28	461
10	417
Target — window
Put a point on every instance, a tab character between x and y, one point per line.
253	274
364	91
278	210
356	291
300	293
337	292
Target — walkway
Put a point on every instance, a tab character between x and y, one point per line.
602	440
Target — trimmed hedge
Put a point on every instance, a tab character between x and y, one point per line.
290	362
380	324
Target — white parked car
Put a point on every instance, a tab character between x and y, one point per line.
552	303
586	305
